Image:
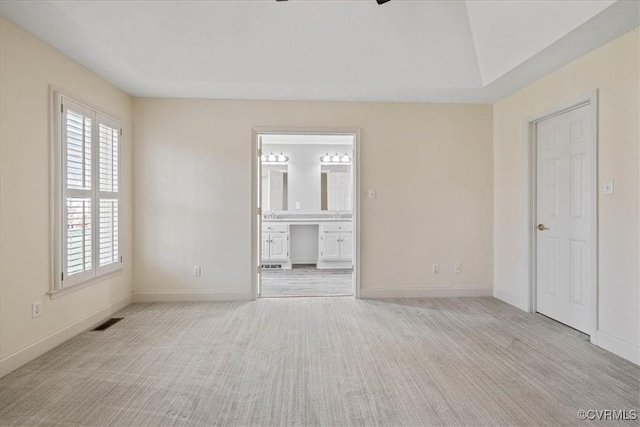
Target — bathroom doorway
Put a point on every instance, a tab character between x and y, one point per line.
305	195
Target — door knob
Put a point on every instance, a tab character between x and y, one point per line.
541	227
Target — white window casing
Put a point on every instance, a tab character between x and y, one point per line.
86	193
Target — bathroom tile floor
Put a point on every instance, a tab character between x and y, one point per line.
306	280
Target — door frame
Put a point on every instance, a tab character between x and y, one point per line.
530	191
256	249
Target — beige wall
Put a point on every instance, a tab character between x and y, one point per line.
444	175
431	165
614	70
28	68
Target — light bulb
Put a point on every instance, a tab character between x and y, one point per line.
272	157
326	158
263	158
336	158
345	158
282	158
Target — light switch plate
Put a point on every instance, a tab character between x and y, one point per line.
372	194
297	205
607	186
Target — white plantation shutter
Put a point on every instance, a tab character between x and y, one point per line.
77	232
88	205
108	167
79	236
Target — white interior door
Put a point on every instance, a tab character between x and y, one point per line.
265	193
263	251
565	192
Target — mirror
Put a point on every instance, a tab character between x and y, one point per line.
335	188
275	187
302	183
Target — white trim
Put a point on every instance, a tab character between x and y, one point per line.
357	175
57	293
58	195
426	292
256	203
357	215
618	346
303	261
530	203
190	296
46	343
512	299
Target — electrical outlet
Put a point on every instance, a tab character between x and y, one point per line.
197	271
435	268
36	308
457	269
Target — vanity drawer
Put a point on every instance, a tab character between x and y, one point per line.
337	226
270	227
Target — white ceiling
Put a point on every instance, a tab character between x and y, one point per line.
507	33
355	50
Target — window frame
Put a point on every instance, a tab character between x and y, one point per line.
61	282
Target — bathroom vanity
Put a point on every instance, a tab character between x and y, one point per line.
333	239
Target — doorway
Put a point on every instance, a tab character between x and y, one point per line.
306	217
564	211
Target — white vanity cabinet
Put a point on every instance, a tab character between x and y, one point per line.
275	243
336	244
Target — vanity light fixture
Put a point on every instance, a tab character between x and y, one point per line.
272	158
336	158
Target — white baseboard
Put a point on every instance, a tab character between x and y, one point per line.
618	346
304	261
425	292
54	339
512	299
182	296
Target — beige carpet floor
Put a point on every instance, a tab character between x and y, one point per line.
322	361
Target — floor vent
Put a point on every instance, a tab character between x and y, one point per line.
109	323
271	266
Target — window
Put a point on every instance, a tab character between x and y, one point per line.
86	194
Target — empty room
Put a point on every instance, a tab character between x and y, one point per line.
319	213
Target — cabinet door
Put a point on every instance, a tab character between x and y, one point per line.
279	246
330	246
265	247
346	245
